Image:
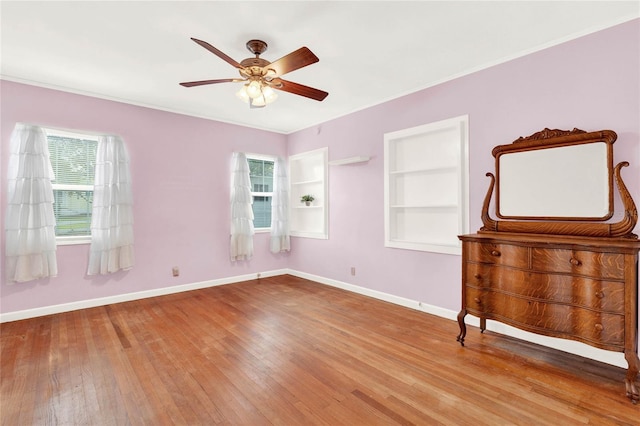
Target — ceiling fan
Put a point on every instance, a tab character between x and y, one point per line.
261	76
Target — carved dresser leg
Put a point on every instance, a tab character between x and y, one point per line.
463	327
632	373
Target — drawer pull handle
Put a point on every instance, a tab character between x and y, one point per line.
599	327
600	294
477	300
495	253
477	276
575	262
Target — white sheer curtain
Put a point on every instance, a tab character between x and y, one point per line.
242	231
30	222
280	240
112	216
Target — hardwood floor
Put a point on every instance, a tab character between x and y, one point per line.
288	351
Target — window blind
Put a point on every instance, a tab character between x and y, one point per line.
73	160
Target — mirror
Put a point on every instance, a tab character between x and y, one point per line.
560	183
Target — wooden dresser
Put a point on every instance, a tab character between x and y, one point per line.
547	278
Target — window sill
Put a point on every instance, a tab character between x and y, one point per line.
262	230
69	241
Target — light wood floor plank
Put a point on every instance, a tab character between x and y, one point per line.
288	351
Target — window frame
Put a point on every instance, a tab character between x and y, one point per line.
63	240
261	157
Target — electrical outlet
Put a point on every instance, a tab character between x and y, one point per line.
353	270
175	271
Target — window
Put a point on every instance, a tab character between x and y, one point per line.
261	175
73	158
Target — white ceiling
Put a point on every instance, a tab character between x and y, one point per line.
370	52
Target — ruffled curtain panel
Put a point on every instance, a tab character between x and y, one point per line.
280	240
30	221
112	216
241	245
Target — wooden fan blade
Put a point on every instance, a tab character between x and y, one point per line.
302	90
203	82
293	61
217	52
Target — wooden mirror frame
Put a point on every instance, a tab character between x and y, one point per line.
555	178
582	226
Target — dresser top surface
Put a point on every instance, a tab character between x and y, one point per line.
632	244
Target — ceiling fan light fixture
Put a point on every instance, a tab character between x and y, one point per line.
269	94
242	94
265	94
254	89
258	102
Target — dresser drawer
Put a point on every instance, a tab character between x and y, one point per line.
597	328
586	292
499	254
586	263
495	276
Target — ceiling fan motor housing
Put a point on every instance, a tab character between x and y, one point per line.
256	46
254	67
254	62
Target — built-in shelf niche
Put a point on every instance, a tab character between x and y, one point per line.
426	183
308	174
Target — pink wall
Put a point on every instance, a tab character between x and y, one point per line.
180	169
591	83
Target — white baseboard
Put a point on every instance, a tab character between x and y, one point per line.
92	303
576	348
